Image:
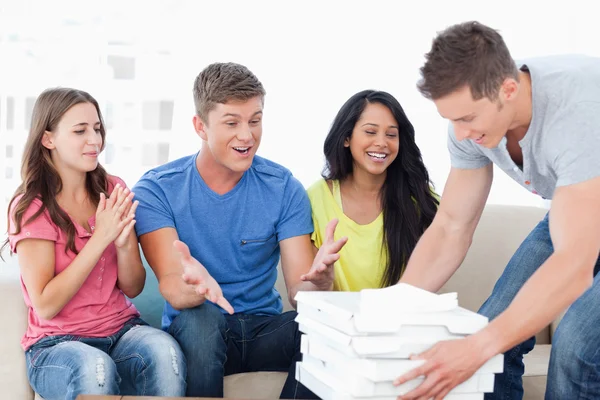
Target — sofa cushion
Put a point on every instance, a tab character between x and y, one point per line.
254	385
500	232
13	375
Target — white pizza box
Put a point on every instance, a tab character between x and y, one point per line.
409	341
327	387
377	369
357	385
341	311
404	298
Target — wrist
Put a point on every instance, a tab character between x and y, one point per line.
488	342
99	240
123	248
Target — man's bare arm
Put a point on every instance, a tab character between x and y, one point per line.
444	245
566	274
166	264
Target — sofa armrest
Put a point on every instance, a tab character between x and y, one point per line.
13	375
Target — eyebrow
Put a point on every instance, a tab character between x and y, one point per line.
377	126
86	124
464	117
238	115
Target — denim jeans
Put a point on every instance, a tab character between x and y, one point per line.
137	360
216	345
574	371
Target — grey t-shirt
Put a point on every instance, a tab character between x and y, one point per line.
562	145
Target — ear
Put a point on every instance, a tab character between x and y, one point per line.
200	127
347	142
47	141
509	89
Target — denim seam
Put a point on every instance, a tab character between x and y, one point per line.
273	331
243	341
514	352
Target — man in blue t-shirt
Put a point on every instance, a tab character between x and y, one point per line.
238	213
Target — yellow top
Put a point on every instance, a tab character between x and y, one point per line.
362	261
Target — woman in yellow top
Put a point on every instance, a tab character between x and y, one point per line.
376	185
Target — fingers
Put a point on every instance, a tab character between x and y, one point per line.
338	245
330	230
123	203
327	260
426	355
133	208
123	223
412	374
424	389
222	301
101	203
129	227
113	196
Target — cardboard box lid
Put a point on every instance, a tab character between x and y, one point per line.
342	311
403	298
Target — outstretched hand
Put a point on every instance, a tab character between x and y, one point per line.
196	275
321	274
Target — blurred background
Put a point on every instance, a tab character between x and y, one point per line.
139	59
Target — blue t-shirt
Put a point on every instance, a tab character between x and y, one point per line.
236	235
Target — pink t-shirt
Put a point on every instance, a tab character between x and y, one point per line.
99	308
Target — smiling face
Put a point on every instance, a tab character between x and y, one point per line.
233	132
374	141
483	121
76	142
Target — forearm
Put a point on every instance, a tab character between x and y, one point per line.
178	293
549	291
131	275
61	289
438	254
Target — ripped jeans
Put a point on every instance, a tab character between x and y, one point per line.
137	360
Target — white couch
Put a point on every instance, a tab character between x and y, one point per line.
501	230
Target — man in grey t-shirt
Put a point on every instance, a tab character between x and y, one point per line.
539	121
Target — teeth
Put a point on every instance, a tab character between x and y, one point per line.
241	148
377	155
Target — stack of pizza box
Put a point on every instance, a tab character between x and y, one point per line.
355	344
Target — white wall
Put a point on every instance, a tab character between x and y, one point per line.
311	56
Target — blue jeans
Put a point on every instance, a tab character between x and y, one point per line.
137	360
216	345
574	371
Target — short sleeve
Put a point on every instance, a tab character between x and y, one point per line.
573	144
41	227
296	218
316	235
113	181
464	154
153	211
315	194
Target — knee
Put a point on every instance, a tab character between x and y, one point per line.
160	353
202	327
570	346
203	316
95	373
